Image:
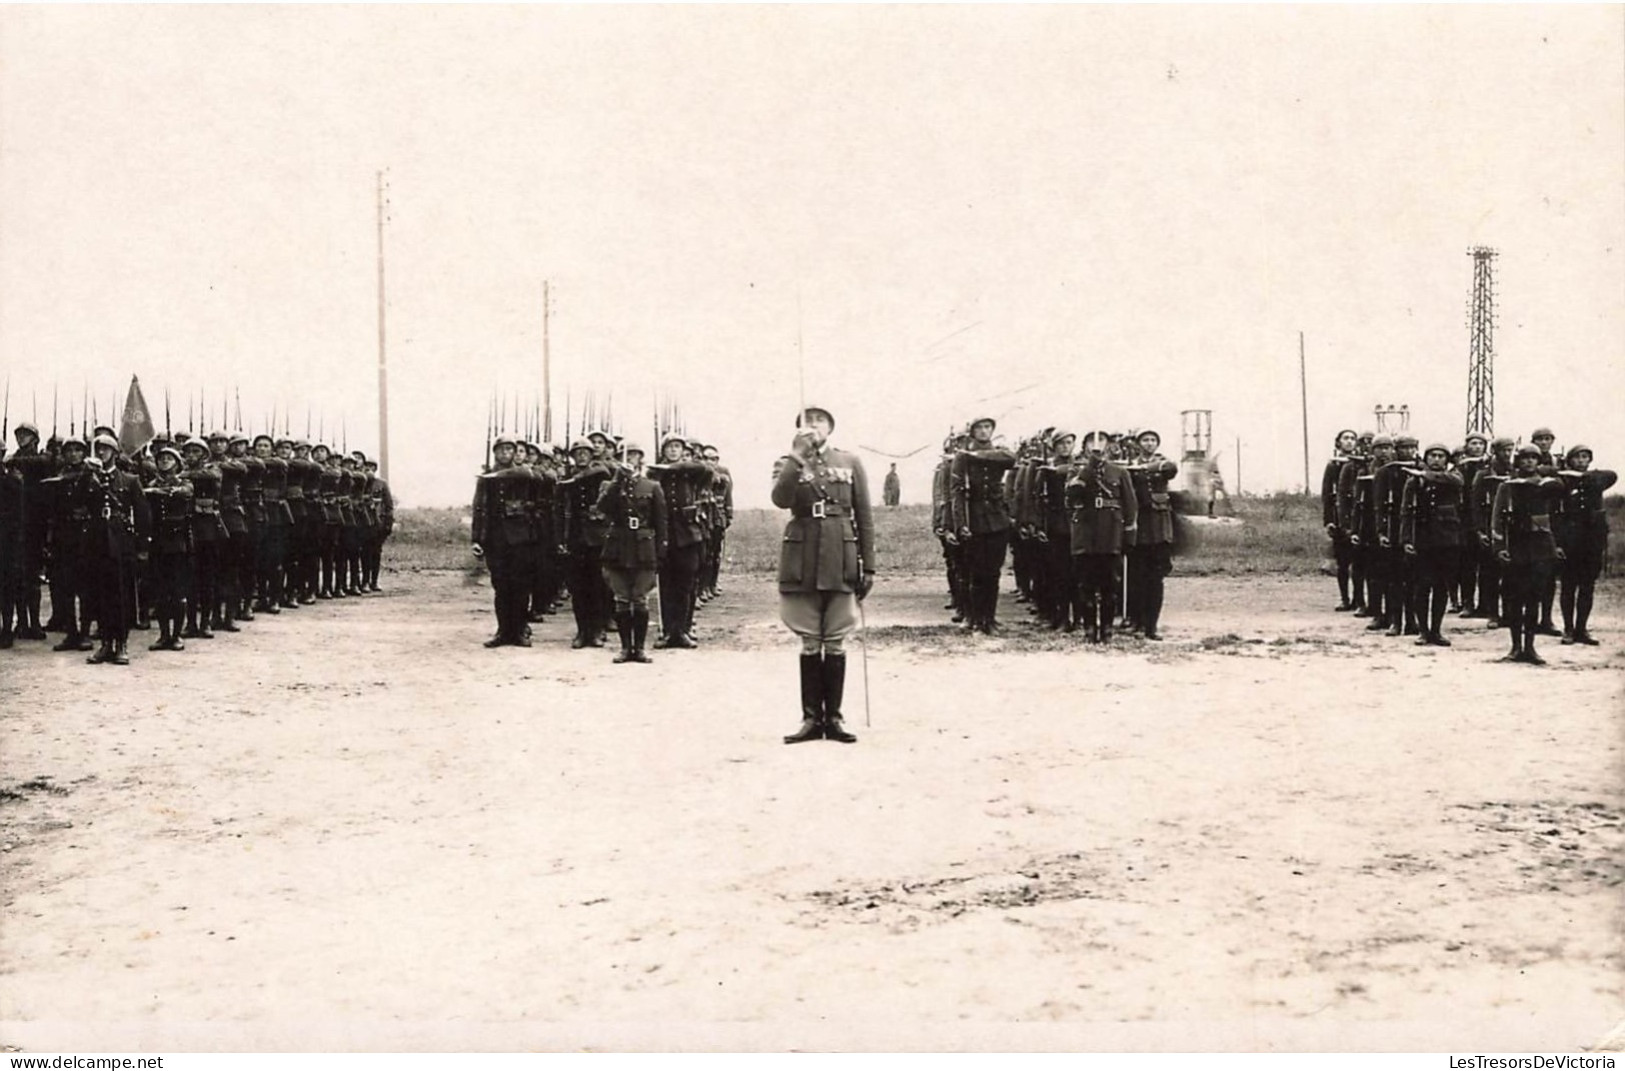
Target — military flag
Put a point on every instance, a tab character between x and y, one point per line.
135	427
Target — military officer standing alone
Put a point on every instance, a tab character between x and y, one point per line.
826	566
892	492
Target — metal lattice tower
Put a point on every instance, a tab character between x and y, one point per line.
1481	343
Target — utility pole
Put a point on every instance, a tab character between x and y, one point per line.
383	374
1481	343
1303	392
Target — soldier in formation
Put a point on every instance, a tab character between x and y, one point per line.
542	526
192	533
1092	532
1489	530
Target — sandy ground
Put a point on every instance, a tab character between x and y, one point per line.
352	827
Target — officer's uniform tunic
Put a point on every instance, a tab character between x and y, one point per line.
828	544
1103	511
1431	523
981	518
1583	535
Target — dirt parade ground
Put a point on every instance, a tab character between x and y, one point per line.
353	827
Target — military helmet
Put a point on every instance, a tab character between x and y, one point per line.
1501	442
238	437
671	437
1441	447
106	440
1141	437
77	442
27	426
218	436
815	409
982	420
196	444
171	451
1405	439
504	440
1475	435
1528	450
633	447
1543	433
267	438
581	444
1575	449
1382	440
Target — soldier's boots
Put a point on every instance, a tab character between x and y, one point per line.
73	641
623	626
104	653
640	632
812	701
834	675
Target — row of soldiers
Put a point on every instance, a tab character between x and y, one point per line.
193	533
591	519
1489	530
1091	531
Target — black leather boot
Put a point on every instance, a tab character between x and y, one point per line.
812	701
640	633
623	625
834	689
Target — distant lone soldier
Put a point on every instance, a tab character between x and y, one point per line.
891	491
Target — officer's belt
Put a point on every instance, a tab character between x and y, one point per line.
1100	503
204	505
296	492
822	509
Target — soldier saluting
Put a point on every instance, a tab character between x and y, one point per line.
505	537
634	548
1430	532
826	565
1521	526
1104	513
981	521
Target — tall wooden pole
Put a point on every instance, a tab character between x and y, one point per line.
1303	392
383	374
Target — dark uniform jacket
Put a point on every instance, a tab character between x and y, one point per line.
1330	479
830	539
1390	497
1583	519
1102	507
278	514
1481	495
1156	511
941	498
1348	494
170	498
1431	513
207	527
584	526
232	511
635	510
1521	519
681	482
125	521
504	501
976	491
1053	518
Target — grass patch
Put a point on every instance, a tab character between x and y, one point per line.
1277	535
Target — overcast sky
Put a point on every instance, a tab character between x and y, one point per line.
1074	216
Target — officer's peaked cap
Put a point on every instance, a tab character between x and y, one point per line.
815	409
